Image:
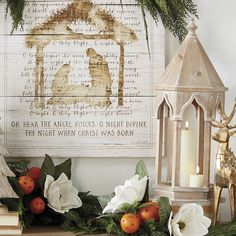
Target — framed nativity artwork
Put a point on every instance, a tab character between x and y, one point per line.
77	79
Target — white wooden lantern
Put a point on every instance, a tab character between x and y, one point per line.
187	97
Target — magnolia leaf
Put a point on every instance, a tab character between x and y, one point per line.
18	167
141	169
74	216
47	168
67	225
165	210
91	205
64	167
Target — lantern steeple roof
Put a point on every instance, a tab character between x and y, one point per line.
190	69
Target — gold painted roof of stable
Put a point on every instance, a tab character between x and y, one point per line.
190	69
57	25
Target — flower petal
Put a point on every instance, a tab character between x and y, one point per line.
132	190
169	223
194	229
61	194
54	199
195	223
176	230
109	208
49	180
142	188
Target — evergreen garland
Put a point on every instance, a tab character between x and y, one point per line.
88	219
173	13
16	8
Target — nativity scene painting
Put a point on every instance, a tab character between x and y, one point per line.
83	71
57	27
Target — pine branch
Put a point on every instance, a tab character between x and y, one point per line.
16	8
173	13
223	229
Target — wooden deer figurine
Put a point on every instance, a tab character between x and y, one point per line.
225	174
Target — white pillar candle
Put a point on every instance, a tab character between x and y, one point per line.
196	181
187	156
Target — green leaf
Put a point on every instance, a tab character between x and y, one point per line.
90	207
47	168
165	210
67	225
146	194
74	216
141	170
64	167
18	167
79	222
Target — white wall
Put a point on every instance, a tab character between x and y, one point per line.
217	32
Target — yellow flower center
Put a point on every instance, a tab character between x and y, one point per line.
181	225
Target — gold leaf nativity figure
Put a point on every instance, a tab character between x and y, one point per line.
98	94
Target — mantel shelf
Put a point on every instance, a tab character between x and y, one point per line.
50	231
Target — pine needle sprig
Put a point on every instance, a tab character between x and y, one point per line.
173	14
16	8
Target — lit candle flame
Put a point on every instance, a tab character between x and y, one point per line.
186	124
198	170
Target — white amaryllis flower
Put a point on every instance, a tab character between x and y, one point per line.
133	190
61	194
189	220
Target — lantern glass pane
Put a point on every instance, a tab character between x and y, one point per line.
166	142
189	145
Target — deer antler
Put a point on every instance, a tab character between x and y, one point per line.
232	133
227	119
217	124
230	117
222	113
232	126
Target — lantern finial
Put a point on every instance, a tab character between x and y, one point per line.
191	28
